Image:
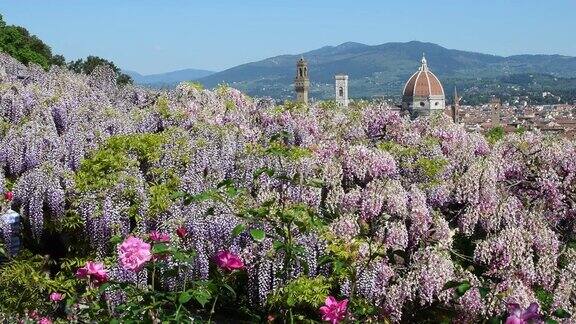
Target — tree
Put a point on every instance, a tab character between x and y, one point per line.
26	48
87	66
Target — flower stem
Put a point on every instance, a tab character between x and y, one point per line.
212	310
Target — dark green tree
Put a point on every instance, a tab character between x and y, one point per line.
91	62
17	42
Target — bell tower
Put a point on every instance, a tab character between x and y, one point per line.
301	82
496	107
456	108
342	90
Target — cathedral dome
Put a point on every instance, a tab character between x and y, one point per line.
423	83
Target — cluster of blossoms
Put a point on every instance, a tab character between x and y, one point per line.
413	205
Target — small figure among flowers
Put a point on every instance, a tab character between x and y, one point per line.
518	316
333	310
228	261
134	253
94	271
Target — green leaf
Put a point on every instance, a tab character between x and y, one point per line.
116	239
258	235
182	257
463	288
160	248
260	171
277	245
483	291
451	284
561	313
202	296
551	321
225	183
177	195
495	320
317	183
184	297
229	288
103	288
238	229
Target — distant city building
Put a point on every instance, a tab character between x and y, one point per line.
496	108
342	90
455	112
423	93
302	82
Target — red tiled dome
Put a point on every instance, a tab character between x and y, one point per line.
423	83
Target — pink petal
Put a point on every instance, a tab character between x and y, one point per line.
330	301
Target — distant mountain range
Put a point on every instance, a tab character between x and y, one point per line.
382	70
169	79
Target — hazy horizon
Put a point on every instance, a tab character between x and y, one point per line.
149	38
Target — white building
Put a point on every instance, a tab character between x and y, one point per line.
423	93
342	90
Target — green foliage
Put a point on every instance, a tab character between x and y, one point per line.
495	134
329	105
303	292
431	168
102	169
91	62
544	297
17	42
26	48
520	129
26	284
120	157
196	85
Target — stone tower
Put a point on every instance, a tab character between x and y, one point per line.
301	82
342	90
456	107
496	107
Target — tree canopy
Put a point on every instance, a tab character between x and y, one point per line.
91	62
26	48
17	42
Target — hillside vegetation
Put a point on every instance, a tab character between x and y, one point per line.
17	42
382	70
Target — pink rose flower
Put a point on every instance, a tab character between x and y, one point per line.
134	253
56	297
94	271
34	314
9	195
159	237
228	261
333	310
45	320
181	232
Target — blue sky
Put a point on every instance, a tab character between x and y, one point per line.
151	36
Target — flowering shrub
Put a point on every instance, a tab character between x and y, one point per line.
204	205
